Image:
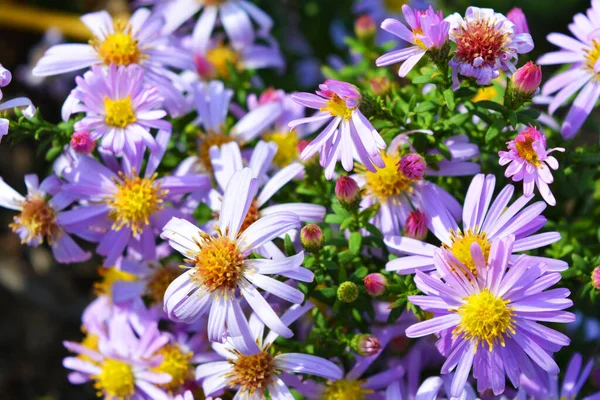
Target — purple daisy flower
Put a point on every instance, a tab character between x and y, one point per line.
122	208
252	371
428	30
482	223
530	162
485	45
39	214
139	41
488	315
348	134
582	53
219	265
119	108
122	366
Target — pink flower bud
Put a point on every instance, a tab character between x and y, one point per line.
416	225
347	192
380	85
364	27
311	237
365	345
527	78
517	17
375	284
82	143
596	277
204	68
412	166
271	95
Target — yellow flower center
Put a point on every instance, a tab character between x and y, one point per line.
346	390
160	281
526	151
208	140
37	218
135	201
485	93
388	182
419	33
394	6
177	364
118	48
222	58
253	373
218	265
287	147
460	247
593	55
115	381
108	277
485	318
337	108
119	113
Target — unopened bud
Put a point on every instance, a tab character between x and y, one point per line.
380	85
82	143
204	67
527	78
412	166
311	237
365	27
365	345
347	192
596	277
416	225
347	292
375	284
517	17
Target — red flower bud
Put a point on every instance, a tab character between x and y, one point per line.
596	277
365	27
347	192
416	225
82	143
412	166
365	345
311	237
527	78
517	17
375	284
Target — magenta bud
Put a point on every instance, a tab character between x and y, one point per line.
82	143
365	27
412	166
365	345
416	225
527	79
347	192
375	284
311	237
517	17
596	277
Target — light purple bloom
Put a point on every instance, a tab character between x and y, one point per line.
121	207
488	316
428	30
118	108
486	44
482	223
349	133
583	54
38	220
219	265
140	41
530	162
517	17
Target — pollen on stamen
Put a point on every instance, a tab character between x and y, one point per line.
387	182
460	247
287	147
253	373
38	219
479	42
115	381
218	265
337	108
207	140
119	48
119	113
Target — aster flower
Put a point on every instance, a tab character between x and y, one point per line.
219	265
428	31
486	44
29	111
118	108
582	54
348	133
487	315
139	41
547	388
530	162
482	224
399	186
121	207
37	221
255	370
122	366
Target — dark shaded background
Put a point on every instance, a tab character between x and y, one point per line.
41	301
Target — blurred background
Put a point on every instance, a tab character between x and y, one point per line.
41	301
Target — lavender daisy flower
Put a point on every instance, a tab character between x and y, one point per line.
119	108
122	208
254	371
122	366
140	41
530	162
219	265
399	186
547	388
38	218
582	52
485	44
488	315
348	133
428	31
482	223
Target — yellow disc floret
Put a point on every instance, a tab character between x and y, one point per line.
460	247
208	140
116	380
109	277
119	48
222	58
346	390
525	149
176	363
37	218
218	265
135	201
160	281
388	182
90	341
337	108
287	147
485	317
252	373
592	55
119	113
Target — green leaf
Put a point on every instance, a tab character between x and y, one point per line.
288	246
355	242
361	273
490	105
458	119
425	106
494	130
449	97
335	219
